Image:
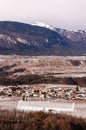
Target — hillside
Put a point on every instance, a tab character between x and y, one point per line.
19	38
42	69
26	39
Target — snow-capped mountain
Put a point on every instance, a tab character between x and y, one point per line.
42	24
40	39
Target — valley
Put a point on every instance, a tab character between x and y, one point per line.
49	69
54	79
59	66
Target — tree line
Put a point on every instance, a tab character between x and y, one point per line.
38	79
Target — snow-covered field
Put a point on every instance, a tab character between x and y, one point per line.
59	66
79	109
46	65
73	108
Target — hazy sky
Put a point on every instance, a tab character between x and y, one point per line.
60	13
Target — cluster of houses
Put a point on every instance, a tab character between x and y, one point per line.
43	92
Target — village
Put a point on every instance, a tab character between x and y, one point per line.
43	92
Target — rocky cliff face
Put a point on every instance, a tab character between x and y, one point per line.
20	38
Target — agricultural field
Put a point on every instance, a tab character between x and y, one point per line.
58	66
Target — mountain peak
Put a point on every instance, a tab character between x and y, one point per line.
42	24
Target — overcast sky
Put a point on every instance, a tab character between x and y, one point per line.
60	13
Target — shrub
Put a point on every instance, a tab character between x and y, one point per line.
16	120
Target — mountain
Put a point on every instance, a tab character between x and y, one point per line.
76	39
40	39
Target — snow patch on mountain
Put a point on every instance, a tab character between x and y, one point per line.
42	24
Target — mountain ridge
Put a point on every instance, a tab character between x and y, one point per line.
26	39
